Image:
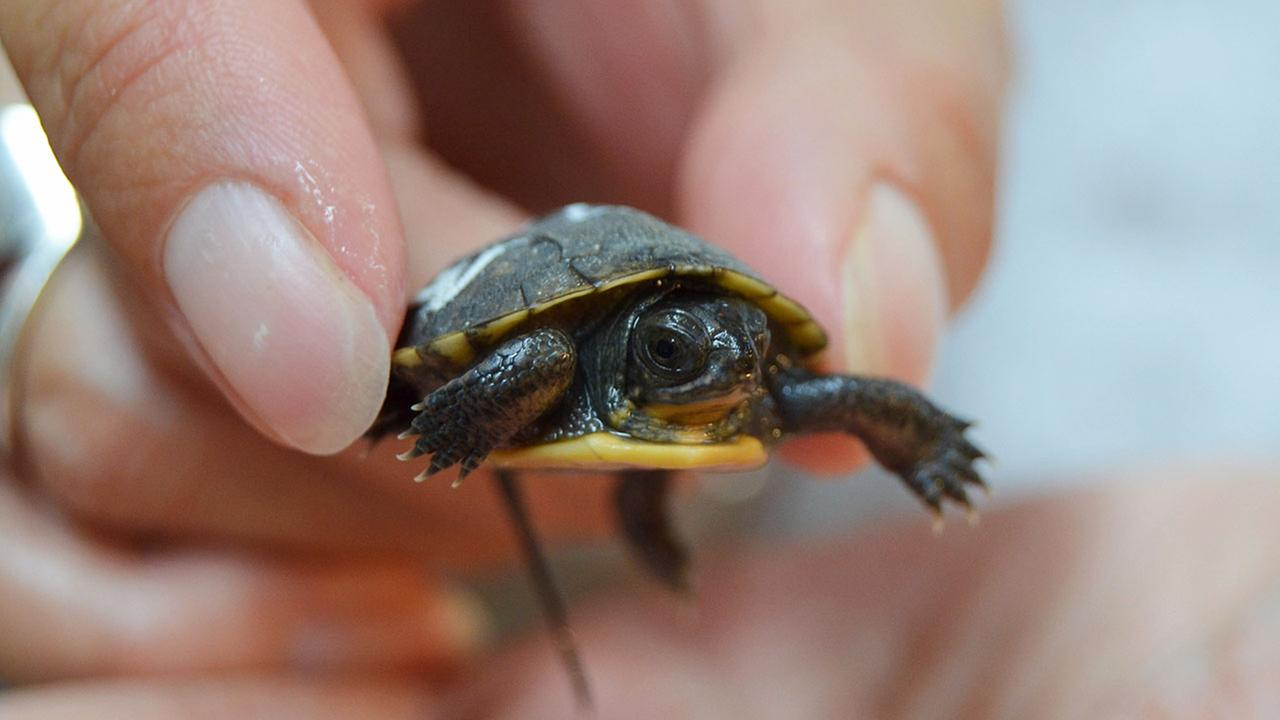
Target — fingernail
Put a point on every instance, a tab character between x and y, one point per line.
298	344
894	290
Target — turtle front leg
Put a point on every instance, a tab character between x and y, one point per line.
465	419
905	432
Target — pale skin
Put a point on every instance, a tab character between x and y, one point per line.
174	515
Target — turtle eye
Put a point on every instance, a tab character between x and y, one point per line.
673	345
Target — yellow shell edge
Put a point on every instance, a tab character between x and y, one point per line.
606	451
406	357
801	328
634	278
497	329
784	310
454	346
571	295
808	337
744	285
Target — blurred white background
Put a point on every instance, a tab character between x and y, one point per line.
1131	313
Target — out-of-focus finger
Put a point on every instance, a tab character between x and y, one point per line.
446	215
70	607
361	44
859	178
235	697
818	160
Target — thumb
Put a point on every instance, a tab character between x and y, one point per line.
225	157
857	173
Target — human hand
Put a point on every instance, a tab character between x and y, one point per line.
245	169
1152	596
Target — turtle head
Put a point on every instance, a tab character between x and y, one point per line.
693	362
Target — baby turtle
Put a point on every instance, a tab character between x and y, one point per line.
600	337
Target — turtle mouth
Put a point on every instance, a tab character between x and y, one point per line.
698	412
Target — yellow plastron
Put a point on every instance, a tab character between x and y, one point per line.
606	451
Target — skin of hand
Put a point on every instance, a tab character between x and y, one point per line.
1152	596
267	202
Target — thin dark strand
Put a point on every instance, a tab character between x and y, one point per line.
641	502
553	607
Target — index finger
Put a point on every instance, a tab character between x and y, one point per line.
226	159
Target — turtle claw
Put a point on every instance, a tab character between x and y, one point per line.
959	466
465	419
440	433
944	468
969	450
972	517
444	459
922	444
469	463
954	490
409	454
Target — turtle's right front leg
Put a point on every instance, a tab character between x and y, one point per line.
463	420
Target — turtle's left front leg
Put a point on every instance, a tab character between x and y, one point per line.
905	432
468	417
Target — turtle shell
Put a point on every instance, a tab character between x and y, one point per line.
568	256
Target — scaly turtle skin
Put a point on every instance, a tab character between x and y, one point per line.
601	337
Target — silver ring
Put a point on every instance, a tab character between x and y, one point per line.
40	221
